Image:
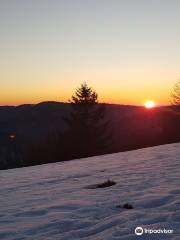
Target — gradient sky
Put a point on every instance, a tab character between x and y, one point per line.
127	50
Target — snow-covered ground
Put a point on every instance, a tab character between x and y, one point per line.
54	201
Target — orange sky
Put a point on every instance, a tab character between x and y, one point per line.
124	87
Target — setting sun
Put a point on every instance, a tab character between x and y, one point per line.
149	104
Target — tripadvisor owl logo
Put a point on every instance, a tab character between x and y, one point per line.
139	231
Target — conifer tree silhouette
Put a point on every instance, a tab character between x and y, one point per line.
87	128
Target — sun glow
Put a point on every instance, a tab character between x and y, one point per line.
149	104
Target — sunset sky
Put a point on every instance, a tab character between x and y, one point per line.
127	50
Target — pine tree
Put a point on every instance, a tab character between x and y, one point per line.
87	128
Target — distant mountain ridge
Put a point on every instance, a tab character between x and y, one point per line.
131	127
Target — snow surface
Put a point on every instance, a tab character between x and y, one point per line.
54	201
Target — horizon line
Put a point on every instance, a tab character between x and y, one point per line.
67	102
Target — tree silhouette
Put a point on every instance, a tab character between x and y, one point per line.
176	94
87	127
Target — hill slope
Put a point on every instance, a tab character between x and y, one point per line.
57	201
